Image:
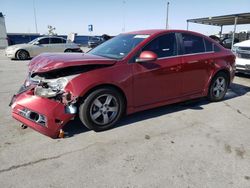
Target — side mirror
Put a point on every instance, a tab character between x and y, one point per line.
146	56
36	43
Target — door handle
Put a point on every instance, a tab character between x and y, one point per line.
176	68
190	62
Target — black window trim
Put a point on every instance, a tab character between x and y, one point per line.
180	47
132	60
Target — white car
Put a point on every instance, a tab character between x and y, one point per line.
242	52
40	45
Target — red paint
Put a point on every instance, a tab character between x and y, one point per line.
145	85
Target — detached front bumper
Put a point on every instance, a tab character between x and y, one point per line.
28	108
242	65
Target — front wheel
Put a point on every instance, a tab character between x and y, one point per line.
218	87
22	55
101	109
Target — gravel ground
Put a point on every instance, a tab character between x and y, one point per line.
192	144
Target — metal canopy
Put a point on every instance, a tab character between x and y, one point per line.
243	18
232	19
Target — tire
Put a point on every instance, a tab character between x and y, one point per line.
101	109
22	55
218	87
68	50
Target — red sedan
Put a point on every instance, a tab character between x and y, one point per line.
132	72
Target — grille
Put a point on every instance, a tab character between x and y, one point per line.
244	56
244	48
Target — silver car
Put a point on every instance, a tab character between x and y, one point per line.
40	45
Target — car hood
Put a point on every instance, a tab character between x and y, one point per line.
245	43
51	61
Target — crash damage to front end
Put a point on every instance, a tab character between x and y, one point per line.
43	103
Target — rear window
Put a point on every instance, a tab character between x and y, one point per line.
211	47
192	44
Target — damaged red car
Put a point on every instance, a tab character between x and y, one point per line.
131	72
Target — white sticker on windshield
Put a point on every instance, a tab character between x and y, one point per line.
141	36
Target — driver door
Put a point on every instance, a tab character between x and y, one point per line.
160	80
41	47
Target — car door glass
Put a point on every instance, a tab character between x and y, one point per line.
192	44
63	41
163	46
211	47
44	41
55	40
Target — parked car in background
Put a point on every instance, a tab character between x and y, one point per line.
242	52
95	41
214	37
40	45
129	73
227	42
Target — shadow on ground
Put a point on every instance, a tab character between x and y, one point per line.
242	75
75	127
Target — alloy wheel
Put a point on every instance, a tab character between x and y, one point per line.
219	87
104	109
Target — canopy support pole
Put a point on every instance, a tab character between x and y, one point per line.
221	27
187	24
235	23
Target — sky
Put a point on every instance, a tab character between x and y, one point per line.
113	16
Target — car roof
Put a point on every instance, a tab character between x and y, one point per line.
160	31
51	37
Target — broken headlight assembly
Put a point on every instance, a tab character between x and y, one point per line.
50	87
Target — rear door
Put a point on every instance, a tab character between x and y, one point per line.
57	44
197	64
159	80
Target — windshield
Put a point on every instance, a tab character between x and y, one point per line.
33	41
118	47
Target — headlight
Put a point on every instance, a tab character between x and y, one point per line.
58	84
50	88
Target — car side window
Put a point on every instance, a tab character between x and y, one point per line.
192	44
163	46
211	47
44	41
64	41
55	40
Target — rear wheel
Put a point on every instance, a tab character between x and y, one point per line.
218	87
68	50
101	109
22	55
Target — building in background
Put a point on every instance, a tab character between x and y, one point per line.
3	33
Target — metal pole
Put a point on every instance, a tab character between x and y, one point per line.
123	24
221	27
187	24
35	15
235	23
167	15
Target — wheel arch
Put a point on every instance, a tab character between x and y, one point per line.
21	49
223	70
107	85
